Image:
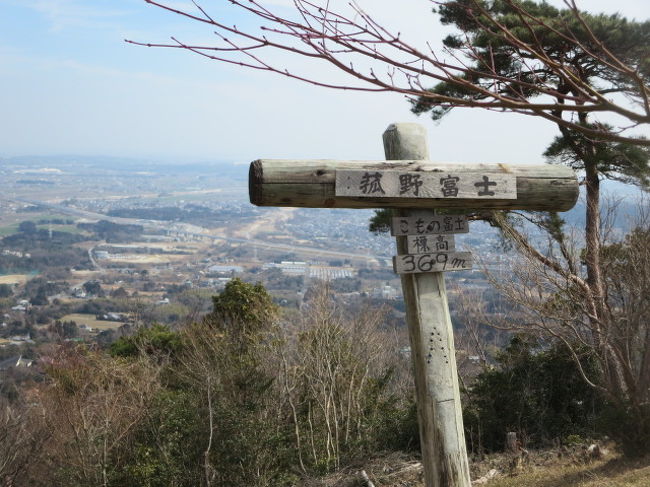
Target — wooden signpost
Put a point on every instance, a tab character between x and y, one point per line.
413	186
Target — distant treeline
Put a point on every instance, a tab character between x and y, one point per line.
165	213
56	221
31	209
33	248
195	214
29	237
112	232
41	258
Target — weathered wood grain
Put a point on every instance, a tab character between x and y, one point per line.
312	184
442	438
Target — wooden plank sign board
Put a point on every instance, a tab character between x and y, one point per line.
315	183
435	262
408	184
426	244
438	224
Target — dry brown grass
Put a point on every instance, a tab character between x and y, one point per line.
615	472
548	471
91	321
15	278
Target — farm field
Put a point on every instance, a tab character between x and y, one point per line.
90	321
13	228
166	246
85	274
8	230
12	218
145	258
15	278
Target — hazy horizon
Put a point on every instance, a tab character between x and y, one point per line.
73	86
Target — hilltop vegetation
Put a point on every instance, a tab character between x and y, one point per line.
234	399
249	395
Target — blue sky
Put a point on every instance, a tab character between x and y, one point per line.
70	85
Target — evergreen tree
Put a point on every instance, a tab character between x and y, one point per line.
527	50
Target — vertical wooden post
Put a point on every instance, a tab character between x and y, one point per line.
440	419
511	442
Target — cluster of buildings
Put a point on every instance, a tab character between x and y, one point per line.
311	270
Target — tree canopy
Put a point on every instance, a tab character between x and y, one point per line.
526	51
243	308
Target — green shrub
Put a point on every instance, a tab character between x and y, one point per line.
155	340
535	390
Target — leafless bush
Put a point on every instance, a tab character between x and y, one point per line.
22	438
337	373
91	407
614	329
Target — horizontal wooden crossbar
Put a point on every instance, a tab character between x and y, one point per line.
312	184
